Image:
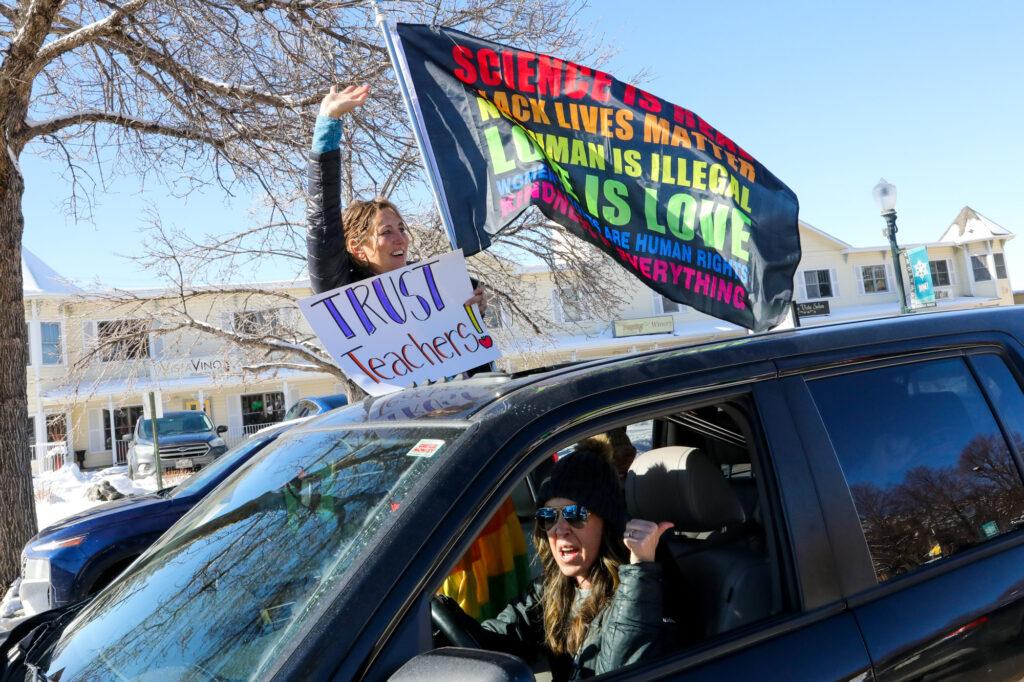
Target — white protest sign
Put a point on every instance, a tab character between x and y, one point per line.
403	327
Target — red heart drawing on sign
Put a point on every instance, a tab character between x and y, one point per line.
486	341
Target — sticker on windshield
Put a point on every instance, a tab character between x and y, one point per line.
427	447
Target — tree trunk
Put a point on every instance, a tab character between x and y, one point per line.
17	501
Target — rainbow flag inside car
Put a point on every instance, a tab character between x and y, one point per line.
495	570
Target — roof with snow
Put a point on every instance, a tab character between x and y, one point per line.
39	279
971	226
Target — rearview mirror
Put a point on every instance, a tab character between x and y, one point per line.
470	665
222	429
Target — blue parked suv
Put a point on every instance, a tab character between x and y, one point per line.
188	440
83	553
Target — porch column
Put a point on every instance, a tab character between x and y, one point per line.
159	405
69	436
113	431
289	398
969	274
40	428
201	397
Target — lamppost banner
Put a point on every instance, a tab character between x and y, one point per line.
669	197
922	295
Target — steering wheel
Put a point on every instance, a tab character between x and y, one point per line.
449	619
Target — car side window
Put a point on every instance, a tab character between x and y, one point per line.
930	472
1005	394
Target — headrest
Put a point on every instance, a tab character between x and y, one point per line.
680	484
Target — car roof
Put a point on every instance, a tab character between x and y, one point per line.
332	401
464	399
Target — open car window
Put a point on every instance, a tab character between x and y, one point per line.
702	469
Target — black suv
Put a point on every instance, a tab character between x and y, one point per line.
847	503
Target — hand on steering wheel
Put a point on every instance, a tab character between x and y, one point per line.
447	617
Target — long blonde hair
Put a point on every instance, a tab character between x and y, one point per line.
358	221
564	631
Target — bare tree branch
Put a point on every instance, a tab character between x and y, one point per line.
82	36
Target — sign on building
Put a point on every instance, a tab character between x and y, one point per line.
643	326
812	308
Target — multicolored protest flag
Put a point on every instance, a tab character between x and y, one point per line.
669	197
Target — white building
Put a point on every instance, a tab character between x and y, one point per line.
835	281
91	414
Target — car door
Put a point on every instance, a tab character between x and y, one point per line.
791	647
920	458
786	646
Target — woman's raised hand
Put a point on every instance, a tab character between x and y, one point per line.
337	103
641	538
479	299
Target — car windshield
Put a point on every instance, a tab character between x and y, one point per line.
223	464
299	409
219	595
176	424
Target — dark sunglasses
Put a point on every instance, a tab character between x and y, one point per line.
574	514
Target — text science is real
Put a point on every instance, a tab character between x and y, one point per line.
404	327
669	197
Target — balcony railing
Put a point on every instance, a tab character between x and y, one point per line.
233	438
48	456
120	452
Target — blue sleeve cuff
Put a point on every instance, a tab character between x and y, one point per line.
326	134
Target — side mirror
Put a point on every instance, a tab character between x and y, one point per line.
126	437
464	665
222	429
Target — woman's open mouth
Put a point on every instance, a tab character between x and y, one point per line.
568	553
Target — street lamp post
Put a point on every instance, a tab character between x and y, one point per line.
885	197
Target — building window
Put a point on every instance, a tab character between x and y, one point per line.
28	346
1000	265
570	304
49	332
259	322
873	278
670	306
124	423
818	284
498	315
56	428
940	273
980	268
262	408
123	339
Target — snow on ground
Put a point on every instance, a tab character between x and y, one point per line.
64	492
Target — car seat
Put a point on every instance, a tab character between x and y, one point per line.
715	583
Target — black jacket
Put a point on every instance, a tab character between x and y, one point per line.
329	262
330	265
629	630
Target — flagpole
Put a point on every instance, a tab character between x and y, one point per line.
412	108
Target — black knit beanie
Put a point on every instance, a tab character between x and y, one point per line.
586	477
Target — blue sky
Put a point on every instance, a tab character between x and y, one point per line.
829	96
